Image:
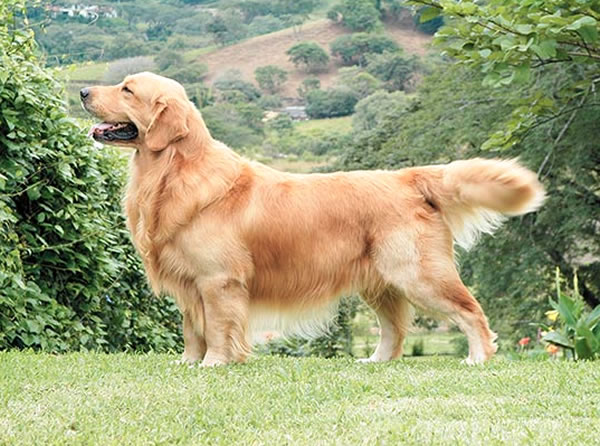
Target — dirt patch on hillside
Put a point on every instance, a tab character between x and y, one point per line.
270	50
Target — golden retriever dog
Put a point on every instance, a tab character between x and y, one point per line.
237	242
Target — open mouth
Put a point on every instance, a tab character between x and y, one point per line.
117	131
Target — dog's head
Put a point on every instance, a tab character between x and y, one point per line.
145	111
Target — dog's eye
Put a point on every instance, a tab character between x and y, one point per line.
127	90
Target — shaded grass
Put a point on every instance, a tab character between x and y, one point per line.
144	399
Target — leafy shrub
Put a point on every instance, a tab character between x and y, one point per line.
330	103
231	81
309	84
373	110
393	68
264	25
353	48
358	15
167	58
228	27
237	125
281	123
158	31
200	94
69	277
309	55
361	83
190	73
269	101
579	330
418	347
270	77
118	69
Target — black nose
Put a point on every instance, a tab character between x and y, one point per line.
84	93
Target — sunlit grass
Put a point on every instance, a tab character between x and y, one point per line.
317	127
145	399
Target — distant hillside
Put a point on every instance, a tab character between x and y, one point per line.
270	49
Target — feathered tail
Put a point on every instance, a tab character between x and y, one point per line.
474	196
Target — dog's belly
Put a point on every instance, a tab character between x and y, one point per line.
303	267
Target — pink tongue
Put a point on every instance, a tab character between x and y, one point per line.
99	127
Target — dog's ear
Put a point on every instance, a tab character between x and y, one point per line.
169	123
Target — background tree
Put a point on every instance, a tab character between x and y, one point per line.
371	111
353	48
330	103
309	55
358	15
360	82
307	85
395	69
270	77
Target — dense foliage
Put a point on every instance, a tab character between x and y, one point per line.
69	278
270	77
330	103
308	55
358	15
353	48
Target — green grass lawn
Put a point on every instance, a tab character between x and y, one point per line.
144	399
316	127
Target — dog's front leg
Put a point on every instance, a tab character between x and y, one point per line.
193	339
225	321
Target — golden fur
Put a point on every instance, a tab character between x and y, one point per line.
234	240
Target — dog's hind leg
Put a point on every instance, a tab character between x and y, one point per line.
426	274
395	315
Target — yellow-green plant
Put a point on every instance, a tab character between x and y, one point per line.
578	330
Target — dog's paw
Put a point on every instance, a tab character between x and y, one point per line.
212	362
184	361
368	360
472	361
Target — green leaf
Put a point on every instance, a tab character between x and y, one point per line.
429	14
582	349
593	318
558	339
545	49
589	34
522	73
583	21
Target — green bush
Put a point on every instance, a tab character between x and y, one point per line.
238	125
353	48
231	81
190	73
393	68
358	15
270	77
309	55
360	82
69	278
373	110
330	103
309	84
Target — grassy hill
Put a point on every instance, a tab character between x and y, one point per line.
88	398
268	49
